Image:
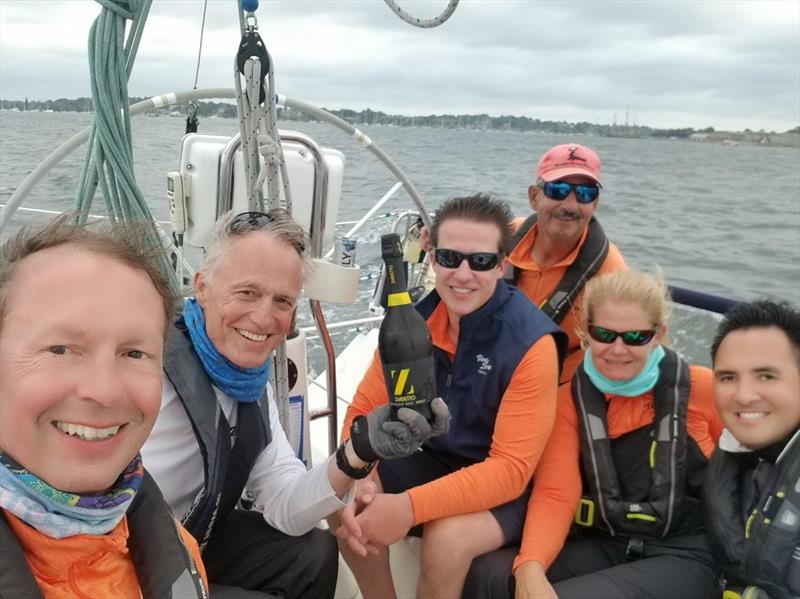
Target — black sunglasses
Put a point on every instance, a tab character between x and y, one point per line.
633	338
478	261
245	222
585	193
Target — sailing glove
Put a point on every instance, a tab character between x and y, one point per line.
377	436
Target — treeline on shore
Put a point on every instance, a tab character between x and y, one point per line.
450	121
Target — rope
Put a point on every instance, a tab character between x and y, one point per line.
258	122
108	163
249	117
423	23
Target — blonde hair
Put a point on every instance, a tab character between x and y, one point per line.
650	292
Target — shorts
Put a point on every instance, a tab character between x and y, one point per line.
424	466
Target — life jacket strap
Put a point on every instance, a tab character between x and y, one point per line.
584	514
749	592
588	262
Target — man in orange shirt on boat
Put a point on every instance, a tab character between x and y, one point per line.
562	245
497	364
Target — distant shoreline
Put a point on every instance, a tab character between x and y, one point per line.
482	122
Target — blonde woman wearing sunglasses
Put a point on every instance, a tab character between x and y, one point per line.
634	431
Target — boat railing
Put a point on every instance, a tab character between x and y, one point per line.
700	300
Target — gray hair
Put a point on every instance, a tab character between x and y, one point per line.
277	222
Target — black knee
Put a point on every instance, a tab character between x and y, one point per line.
321	564
490	576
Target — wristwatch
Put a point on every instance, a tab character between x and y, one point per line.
344	465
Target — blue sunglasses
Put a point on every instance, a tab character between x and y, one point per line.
585	193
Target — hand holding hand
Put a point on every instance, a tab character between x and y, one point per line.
349	530
532	582
387	519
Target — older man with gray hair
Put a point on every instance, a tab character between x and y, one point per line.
218	431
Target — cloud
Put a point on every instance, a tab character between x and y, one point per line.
671	64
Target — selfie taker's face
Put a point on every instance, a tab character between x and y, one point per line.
757	385
81	345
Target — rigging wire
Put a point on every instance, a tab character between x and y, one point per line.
191	116
200	48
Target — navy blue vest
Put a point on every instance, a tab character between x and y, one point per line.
491	343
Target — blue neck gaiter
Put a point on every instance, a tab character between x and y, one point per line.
242	384
641	383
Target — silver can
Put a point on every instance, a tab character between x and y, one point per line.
345	253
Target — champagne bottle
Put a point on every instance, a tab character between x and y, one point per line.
404	341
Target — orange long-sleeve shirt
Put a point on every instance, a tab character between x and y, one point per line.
557	483
86	566
540	284
524	422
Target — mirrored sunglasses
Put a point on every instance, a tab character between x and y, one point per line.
585	193
633	338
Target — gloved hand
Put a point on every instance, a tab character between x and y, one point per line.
441	417
378	436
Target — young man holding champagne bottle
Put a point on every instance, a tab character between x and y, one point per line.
497	360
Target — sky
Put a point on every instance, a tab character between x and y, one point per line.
730	65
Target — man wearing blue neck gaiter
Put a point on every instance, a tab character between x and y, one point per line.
218	431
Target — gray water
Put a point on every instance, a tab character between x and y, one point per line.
719	219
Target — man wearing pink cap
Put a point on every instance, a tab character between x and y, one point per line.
561	246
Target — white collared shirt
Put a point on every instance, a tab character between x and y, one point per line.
729	443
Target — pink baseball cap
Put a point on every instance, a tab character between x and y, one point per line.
568	159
